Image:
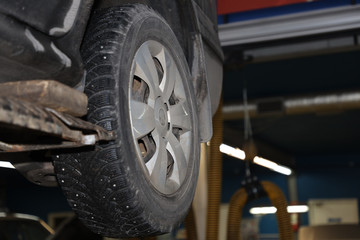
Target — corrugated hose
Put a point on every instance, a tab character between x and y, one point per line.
276	197
215	177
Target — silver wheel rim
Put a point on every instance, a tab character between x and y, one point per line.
160	117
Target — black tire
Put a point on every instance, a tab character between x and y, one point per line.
108	187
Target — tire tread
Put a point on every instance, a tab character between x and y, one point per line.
91	178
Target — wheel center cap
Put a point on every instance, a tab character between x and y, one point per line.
161	118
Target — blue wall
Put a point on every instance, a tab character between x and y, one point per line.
328	177
317	177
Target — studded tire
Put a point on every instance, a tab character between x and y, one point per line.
114	187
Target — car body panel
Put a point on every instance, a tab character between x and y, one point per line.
43	39
51	17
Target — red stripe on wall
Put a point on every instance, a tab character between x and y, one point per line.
232	6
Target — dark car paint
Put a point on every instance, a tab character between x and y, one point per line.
46	22
209	9
41	39
51	17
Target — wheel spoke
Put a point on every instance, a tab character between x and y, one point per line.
146	70
157	166
179	116
142	118
180	163
171	75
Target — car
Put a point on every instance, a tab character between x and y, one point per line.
23	226
121	92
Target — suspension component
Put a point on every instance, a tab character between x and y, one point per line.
28	123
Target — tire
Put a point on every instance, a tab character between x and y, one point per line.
139	86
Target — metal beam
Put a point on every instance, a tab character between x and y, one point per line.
289	26
336	102
301	49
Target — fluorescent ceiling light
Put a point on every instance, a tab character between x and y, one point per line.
6	165
272	165
263	210
272	210
265	163
282	169
240	154
298	209
234	152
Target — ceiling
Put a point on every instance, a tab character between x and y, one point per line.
284	136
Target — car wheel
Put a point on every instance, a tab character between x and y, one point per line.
139	86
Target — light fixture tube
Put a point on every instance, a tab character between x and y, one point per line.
298	209
272	210
263	210
234	152
240	154
4	164
272	165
